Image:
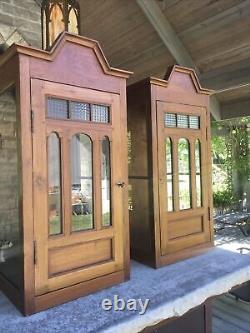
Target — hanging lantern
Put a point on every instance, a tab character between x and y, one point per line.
59	16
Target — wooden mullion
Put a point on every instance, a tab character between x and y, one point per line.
204	173
163	195
97	182
204	162
66	184
111	180
162	170
175	174
193	173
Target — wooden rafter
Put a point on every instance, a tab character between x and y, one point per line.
170	39
164	29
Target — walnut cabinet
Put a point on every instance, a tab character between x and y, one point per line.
63	156
170	205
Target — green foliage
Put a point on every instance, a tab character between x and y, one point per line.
230	151
219	149
79	222
223	199
230	145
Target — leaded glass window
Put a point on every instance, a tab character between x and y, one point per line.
57	108
99	113
170	120
78	111
181	121
194	122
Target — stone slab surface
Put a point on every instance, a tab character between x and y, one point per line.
172	291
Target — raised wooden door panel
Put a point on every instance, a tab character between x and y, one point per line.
78	207
183	176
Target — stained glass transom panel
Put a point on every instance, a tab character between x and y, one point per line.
77	111
194	122
170	120
57	108
181	121
99	113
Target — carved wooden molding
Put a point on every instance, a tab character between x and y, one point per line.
52	54
185	70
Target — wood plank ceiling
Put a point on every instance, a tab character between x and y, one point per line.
215	33
126	36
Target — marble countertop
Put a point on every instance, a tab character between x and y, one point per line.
171	290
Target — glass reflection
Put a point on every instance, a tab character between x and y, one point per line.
54	185
106	202
198	172
169	167
184	174
82	183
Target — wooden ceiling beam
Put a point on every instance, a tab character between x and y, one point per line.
235	87
175	46
164	29
215	107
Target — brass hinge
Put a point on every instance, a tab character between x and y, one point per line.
35	252
32	121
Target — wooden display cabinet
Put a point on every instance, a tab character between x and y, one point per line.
63	162
170	198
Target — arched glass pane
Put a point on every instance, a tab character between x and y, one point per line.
169	172
56	24
73	24
54	185
106	185
184	174
198	172
82	182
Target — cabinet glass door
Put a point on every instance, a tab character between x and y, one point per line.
78	217
183	176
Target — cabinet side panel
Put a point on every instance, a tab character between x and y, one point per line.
11	257
140	172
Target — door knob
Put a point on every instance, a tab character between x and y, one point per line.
120	184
